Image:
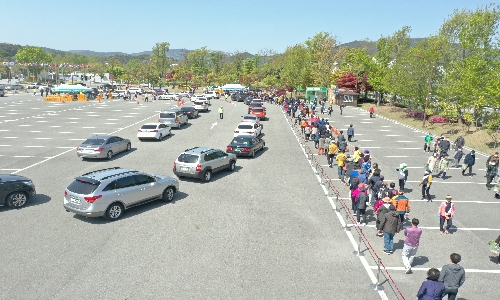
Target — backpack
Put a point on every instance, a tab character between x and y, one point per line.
426	180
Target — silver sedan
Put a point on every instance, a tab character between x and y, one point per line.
103	146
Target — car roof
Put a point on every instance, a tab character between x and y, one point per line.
249	115
198	150
107	173
244	136
103	136
246	123
151	124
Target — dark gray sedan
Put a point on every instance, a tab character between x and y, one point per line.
245	145
103	146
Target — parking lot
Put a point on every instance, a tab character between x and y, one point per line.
263	231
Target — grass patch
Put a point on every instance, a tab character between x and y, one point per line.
476	138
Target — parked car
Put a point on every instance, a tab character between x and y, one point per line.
138	90
211	95
245	145
190	112
15	190
103	146
159	92
202	162
201	105
247	128
196	97
153	131
109	192
118	93
173	118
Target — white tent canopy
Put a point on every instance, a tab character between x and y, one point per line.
233	87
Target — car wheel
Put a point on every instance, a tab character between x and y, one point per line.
168	194
253	154
16	199
207	175
161	136
232	165
129	146
109	155
114	211
263	145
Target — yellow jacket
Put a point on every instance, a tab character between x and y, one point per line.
332	149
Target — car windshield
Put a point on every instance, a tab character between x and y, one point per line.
245	127
148	127
241	141
167	115
249	117
94	142
82	187
185	108
188	158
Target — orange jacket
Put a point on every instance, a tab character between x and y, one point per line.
401	203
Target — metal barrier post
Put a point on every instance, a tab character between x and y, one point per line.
337	208
358	253
316	169
347	227
377	286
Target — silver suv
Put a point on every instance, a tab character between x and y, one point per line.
109	192
201	162
173	118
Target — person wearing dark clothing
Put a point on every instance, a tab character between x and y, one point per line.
361	200
497	242
432	288
444	145
342	108
390	225
491	173
330	111
350	133
340	137
458	156
342	145
469	161
459	142
453	276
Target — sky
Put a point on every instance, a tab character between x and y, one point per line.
223	25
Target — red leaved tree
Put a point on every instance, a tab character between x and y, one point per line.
348	81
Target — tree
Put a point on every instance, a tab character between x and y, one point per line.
159	58
115	69
324	53
34	57
493	128
296	67
348	81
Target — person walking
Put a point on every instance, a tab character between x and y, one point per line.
350	133
453	276
427	143
402	175
491	173
372	111
361	200
412	241
390	225
426	186
432	288
402	204
446	213
326	145
34	92
469	161
330	109
459	142
443	166
458	156
432	161
342	106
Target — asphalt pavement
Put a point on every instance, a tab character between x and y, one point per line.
264	231
476	221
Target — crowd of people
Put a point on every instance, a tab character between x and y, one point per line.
367	187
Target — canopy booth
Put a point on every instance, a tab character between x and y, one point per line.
233	87
316	92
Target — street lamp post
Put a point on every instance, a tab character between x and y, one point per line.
428	88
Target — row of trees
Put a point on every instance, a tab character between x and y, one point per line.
462	58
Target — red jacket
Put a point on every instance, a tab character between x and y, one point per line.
442	209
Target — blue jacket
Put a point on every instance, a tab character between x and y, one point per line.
350	131
470	159
431	290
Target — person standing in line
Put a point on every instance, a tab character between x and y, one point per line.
458	156
453	276
303	125
432	288
332	150
412	241
446	213
427	143
326	145
377	208
341	158
426	186
361	200
221	112
362	177
350	133
491	173
307	132
353	192
390	225
469	161
443	166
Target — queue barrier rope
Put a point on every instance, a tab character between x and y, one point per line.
349	216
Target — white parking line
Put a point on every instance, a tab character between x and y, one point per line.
34	146
5	146
65	132
22	156
35	131
10	137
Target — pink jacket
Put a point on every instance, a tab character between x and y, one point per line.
442	209
377	205
355	193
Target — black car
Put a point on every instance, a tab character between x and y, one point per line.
239	97
15	190
190	112
245	145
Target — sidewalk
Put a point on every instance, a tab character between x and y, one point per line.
476	221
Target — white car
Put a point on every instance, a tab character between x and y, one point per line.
167	96
153	131
200	105
117	93
211	95
248	128
250	118
196	97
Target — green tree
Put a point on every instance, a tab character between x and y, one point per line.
160	59
324	53
33	55
296	67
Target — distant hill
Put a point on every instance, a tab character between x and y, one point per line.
371	46
176	54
